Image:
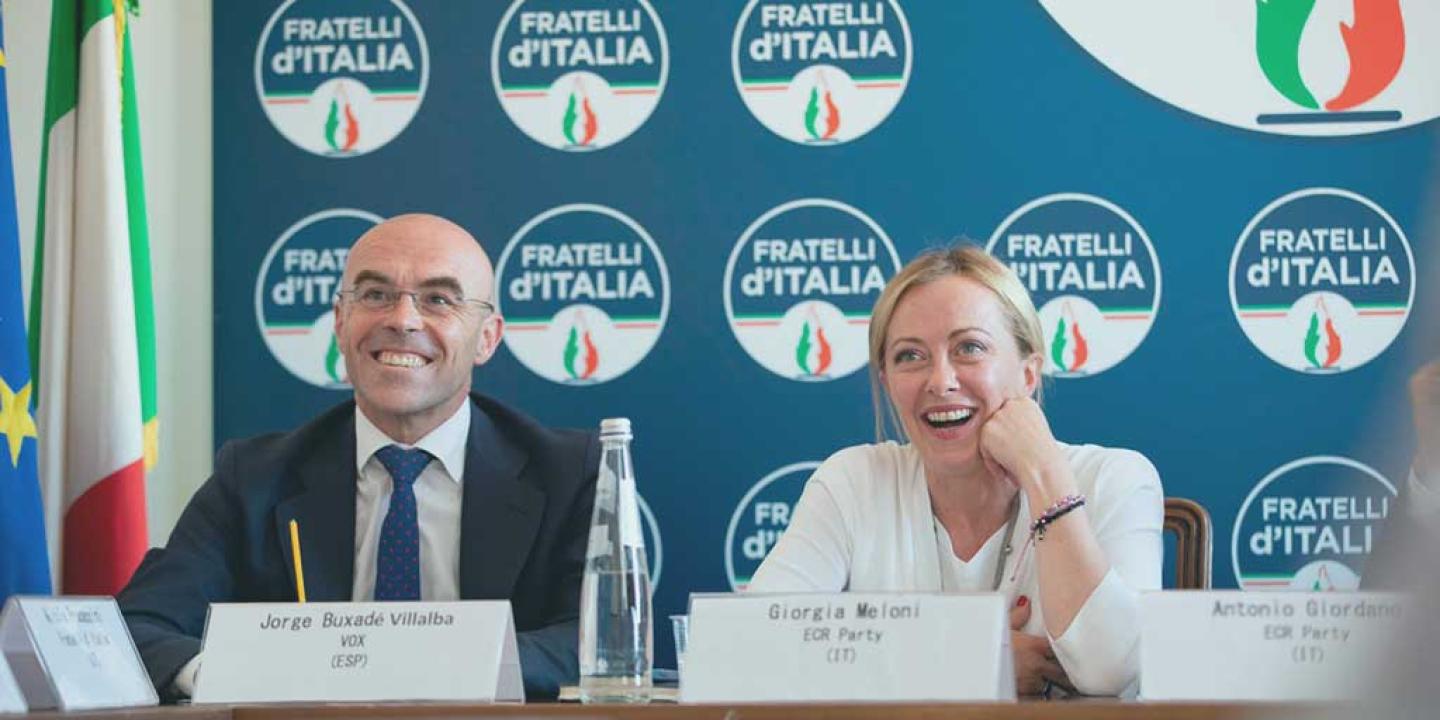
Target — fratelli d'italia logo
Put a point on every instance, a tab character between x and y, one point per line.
821	73
1322	280
1092	271
800	284
1309	525
759	519
579	74
1297	67
341	78
585	294
295	294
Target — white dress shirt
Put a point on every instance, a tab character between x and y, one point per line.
864	523
437	505
437	511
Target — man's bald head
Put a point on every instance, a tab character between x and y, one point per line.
430	235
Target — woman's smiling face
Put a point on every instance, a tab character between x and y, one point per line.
950	362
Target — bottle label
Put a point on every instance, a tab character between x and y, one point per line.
599	546
630	533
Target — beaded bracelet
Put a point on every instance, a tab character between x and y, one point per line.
1055	512
1037	528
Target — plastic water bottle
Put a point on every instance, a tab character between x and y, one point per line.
616	633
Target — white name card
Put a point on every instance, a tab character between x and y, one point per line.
73	653
1231	645
879	647
11	701
360	652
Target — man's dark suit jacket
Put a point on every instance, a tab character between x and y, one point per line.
525	516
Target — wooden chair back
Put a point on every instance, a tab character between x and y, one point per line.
1191	525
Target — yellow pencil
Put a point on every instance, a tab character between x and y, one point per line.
299	568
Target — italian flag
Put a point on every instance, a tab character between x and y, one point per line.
92	329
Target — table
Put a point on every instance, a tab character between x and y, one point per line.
1090	709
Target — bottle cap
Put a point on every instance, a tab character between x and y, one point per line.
615	427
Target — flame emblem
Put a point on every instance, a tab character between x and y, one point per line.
1068	336
332	361
579	116
813	352
821	97
1333	345
578	366
1375	43
340	107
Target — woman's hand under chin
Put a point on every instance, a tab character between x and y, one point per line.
1016	444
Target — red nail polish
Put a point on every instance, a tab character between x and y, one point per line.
1022	602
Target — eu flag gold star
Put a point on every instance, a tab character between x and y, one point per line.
16	424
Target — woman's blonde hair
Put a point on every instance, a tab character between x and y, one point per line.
968	261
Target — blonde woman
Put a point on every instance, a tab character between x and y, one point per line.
979	496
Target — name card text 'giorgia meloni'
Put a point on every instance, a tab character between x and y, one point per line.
847	647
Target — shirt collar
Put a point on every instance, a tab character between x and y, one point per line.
446	443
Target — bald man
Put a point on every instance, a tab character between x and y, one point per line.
418	489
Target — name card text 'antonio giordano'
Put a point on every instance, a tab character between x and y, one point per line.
847	647
355	652
72	653
1231	645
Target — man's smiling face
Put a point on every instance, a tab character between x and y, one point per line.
411	363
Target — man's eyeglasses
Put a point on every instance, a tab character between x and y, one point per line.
433	302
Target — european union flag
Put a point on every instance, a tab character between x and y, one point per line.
24	567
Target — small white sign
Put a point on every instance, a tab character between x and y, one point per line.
11	701
360	652
1232	645
824	647
73	653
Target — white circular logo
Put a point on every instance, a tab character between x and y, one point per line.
579	74
585	294
1291	67
1309	525
821	73
1322	280
1092	272
800	284
295	294
760	518
341	80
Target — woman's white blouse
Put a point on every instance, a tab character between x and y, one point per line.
864	523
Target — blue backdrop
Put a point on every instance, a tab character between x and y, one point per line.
1001	107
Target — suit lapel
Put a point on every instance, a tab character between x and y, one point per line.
325	512
500	514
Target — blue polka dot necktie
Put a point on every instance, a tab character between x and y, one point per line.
397	564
